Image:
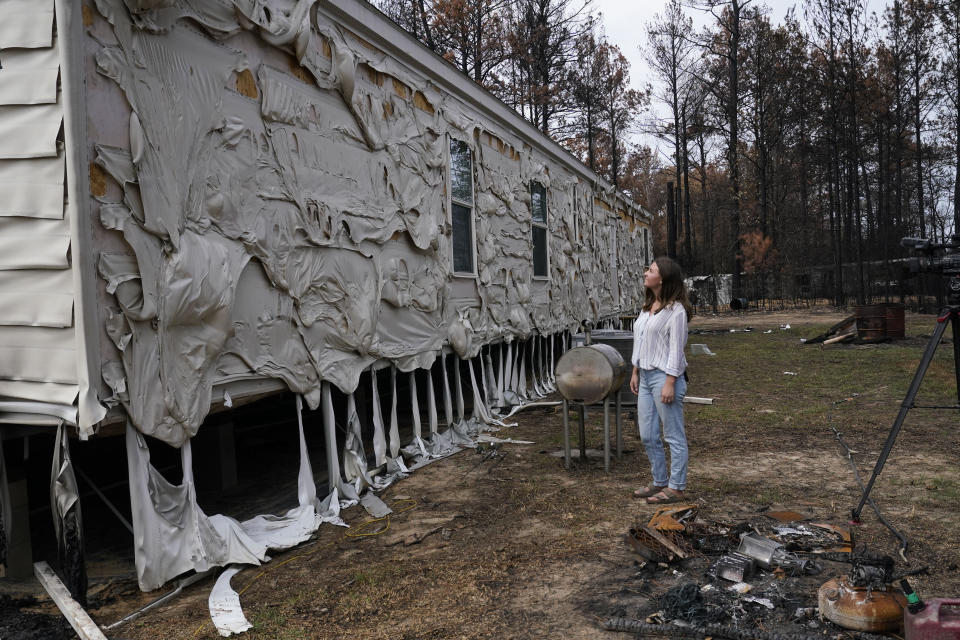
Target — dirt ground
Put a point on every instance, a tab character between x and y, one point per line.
510	544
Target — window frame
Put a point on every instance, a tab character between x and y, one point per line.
469	205
576	215
545	225
613	250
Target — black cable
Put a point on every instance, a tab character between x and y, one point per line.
726	632
913	572
684	602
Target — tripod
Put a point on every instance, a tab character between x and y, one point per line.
951	314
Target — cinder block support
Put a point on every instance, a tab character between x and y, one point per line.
20	551
226	454
215	445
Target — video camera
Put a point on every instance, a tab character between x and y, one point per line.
938	257
942	258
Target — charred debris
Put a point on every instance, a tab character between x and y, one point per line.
774	576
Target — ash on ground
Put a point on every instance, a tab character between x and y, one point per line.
758	577
18	621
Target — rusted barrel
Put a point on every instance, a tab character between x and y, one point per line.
893	320
871	319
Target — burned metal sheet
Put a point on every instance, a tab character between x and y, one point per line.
786	516
673	517
762	549
735	567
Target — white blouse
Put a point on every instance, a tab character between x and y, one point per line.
659	339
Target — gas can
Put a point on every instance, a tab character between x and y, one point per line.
940	620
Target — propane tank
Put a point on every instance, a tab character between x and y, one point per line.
590	373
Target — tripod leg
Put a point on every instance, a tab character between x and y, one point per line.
905	406
955	326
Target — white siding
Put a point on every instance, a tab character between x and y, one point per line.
38	347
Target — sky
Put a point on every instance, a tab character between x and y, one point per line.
625	23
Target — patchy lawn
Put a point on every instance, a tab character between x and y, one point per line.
515	546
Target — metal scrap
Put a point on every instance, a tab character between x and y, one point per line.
661	539
817	538
656	546
871	571
766	602
734	567
843	532
672	518
786	516
792	531
759	548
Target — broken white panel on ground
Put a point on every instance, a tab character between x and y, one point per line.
224	603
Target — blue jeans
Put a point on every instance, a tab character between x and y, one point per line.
650	412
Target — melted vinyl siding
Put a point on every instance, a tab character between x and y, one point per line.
38	347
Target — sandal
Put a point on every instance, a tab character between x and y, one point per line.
646	492
666	496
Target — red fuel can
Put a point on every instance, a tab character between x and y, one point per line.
940	620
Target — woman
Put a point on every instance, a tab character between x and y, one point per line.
659	336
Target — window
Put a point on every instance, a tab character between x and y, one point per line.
538	203
461	206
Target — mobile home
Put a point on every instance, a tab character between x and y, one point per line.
207	202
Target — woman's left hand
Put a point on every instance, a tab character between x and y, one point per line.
667	392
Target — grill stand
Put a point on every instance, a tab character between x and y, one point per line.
581	413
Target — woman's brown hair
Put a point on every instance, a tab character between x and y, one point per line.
672	288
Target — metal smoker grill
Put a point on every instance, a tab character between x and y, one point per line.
622	341
586	375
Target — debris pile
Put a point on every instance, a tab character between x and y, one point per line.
660	540
843	331
762	579
871	324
